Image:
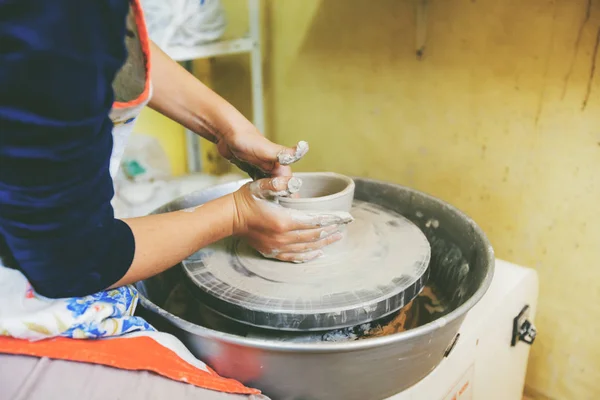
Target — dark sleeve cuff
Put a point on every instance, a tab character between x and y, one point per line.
107	269
75	267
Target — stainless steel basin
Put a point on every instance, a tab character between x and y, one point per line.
462	266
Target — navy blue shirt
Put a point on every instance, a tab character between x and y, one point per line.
58	59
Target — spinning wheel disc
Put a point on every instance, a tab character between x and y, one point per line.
380	266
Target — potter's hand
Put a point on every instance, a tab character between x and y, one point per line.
178	95
281	233
258	156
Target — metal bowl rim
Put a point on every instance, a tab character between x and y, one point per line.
332	347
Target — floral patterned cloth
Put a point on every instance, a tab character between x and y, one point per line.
25	314
124	340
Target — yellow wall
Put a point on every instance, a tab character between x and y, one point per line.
493	120
169	134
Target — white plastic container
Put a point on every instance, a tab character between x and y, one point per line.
185	23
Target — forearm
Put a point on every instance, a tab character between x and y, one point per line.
178	95
163	240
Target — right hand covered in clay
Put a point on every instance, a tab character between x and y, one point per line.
282	233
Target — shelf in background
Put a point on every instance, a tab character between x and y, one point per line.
214	49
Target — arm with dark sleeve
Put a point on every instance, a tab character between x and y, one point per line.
57	62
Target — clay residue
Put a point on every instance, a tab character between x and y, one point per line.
321	219
426	307
398	324
285	158
294	185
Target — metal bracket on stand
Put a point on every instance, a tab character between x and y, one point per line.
523	329
192	141
421	34
452	345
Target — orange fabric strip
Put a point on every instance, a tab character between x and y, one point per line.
136	353
145	43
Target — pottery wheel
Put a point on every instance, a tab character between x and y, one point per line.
379	267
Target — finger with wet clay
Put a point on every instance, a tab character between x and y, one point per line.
266	247
280	158
312	235
299	258
273	159
269	254
271	248
311	246
287	156
275	187
305	220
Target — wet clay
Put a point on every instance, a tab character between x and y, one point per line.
258	191
286	159
322	191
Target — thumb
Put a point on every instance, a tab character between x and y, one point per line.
271	155
280	186
289	155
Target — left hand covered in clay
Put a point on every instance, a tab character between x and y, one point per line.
258	156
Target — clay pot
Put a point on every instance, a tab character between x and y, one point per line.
322	191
